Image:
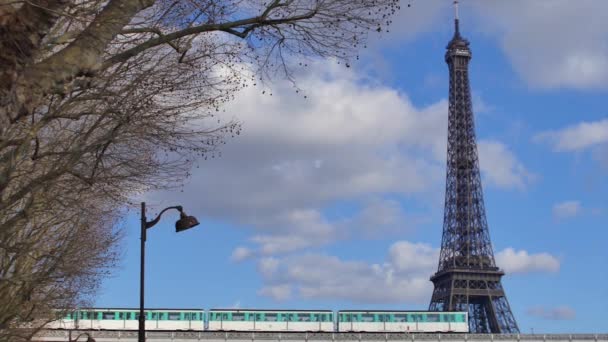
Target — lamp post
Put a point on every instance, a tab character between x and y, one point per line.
184	222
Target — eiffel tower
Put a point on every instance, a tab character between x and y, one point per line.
467	278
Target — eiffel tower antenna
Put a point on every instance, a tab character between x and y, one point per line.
467	278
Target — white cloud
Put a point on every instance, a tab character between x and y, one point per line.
349	140
295	230
268	266
413	257
566	209
278	292
378	218
512	261
241	253
577	137
500	167
403	278
551	43
557	313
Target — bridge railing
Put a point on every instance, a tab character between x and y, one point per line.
219	336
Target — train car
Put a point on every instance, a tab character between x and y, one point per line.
128	319
270	320
401	321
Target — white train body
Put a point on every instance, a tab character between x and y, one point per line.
402	321
127	319
266	320
270	320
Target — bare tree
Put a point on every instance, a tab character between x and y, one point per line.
103	99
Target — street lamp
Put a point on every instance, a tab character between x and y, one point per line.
185	222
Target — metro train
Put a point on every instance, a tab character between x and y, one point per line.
265	320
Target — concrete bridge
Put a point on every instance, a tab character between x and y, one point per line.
215	336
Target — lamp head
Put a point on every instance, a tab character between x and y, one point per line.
185	222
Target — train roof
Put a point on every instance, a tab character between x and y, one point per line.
137	309
270	310
418	311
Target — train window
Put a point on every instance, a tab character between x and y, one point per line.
271	317
400	318
367	318
155	316
186	316
173	316
293	317
432	317
108	315
417	318
259	317
305	318
238	316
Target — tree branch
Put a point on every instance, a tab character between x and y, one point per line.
230	27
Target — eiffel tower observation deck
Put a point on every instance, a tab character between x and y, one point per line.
467	278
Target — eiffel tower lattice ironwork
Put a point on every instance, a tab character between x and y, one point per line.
467	278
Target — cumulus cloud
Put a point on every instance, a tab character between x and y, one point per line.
577	137
350	139
277	292
550	43
512	261
405	256
241	253
378	218
402	278
268	266
295	230
557	313
500	167
545	51
566	209
295	156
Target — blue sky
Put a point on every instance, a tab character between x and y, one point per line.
336	201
